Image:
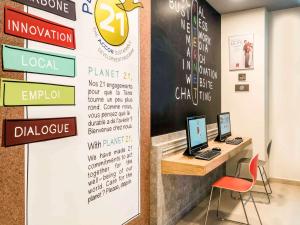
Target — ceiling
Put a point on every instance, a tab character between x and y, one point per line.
226	6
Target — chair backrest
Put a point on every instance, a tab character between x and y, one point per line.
253	169
269	149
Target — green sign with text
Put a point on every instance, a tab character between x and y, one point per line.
33	61
22	93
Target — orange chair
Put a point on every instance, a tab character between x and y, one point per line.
237	185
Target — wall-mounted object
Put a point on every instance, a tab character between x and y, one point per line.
25	25
241	52
63	8
18	132
186	64
34	61
242	77
22	93
242	87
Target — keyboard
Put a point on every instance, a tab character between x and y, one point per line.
207	155
234	141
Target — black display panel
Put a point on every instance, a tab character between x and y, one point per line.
186	63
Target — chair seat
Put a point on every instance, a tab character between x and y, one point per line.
233	184
247	160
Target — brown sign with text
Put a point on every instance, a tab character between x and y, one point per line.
18	132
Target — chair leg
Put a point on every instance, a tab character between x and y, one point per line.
244	208
267	181
218	209
263	180
229	220
219	203
255	207
212	189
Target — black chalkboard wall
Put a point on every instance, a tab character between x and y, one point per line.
186	63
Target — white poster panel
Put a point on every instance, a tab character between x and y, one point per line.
93	178
241	52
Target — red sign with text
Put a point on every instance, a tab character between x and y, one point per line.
24	25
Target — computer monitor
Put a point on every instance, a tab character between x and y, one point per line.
224	126
196	134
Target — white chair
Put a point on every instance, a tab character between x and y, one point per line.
262	171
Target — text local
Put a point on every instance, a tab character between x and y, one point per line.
51	129
59	5
39	62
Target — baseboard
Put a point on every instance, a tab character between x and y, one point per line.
280	181
260	183
285	181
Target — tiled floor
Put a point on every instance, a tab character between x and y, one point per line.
283	210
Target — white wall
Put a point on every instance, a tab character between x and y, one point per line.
249	110
285	93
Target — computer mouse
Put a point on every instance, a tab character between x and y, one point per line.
217	149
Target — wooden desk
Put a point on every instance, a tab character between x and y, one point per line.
177	163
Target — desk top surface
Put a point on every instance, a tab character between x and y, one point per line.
177	163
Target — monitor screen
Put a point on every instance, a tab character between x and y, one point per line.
197	135
224	123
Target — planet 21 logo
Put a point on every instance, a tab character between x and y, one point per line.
111	18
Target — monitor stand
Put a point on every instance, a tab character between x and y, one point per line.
187	152
219	140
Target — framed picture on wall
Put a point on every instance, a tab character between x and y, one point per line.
241	52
